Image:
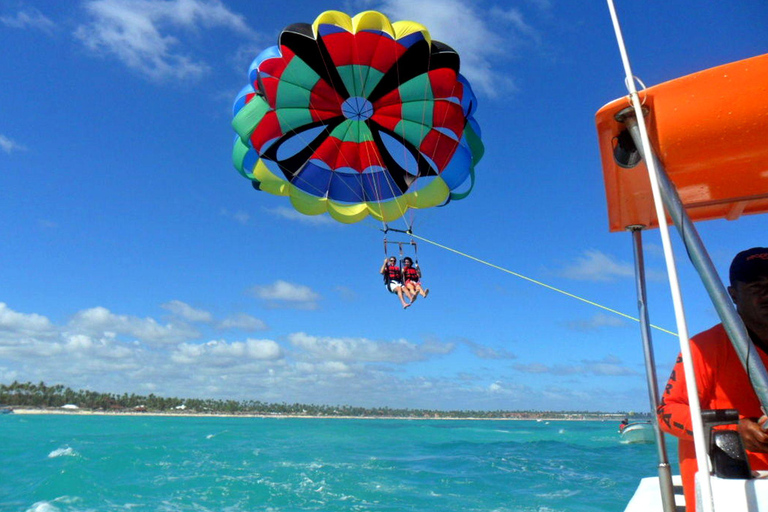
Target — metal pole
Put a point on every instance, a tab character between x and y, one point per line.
665	473
697	424
709	277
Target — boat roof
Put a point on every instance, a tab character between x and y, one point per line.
710	132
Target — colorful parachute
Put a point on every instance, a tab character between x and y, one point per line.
356	117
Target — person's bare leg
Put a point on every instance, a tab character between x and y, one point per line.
413	295
400	296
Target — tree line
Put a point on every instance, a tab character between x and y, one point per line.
40	395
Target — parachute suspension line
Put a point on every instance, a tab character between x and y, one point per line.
534	281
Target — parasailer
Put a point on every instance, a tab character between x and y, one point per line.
412	276
393	278
357	117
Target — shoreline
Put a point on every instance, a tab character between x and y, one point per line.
178	414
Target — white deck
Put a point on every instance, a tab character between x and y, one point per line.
647	497
731	495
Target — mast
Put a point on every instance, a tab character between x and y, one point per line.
665	473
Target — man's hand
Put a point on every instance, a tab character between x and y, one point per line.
754	437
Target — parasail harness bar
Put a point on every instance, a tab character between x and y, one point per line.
401	243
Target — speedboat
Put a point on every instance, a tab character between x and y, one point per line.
684	151
641	432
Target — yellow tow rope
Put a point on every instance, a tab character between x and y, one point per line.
558	290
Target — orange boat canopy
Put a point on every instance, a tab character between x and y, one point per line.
710	132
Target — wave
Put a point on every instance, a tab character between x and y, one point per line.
63	452
42	506
48	506
211	436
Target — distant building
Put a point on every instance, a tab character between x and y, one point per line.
70	407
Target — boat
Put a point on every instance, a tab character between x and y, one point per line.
6	410
640	432
689	150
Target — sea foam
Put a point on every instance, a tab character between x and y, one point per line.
63	452
42	506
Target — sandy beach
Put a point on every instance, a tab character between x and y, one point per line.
87	412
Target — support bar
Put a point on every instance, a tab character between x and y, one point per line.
665	472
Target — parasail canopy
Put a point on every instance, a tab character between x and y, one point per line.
356	117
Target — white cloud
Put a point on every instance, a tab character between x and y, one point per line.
594	265
29	18
10	146
608	366
146	330
365	350
508	390
146	34
243	322
532	368
109	352
239	216
480	36
597	322
187	312
222	352
485	352
346	293
291	214
336	368
287	294
21	324
103	347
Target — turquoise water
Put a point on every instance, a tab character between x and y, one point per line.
83	463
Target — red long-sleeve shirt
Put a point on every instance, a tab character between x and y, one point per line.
722	384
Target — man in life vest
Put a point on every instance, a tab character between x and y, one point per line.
624	424
720	376
393	277
412	277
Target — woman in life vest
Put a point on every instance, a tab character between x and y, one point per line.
393	276
412	276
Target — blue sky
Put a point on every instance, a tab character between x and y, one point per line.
136	259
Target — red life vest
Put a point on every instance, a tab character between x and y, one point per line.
393	274
411	274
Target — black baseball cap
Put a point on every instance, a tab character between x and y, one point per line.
749	265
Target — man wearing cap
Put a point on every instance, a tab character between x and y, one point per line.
721	379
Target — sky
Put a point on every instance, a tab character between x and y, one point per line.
136	259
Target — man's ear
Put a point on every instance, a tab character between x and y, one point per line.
732	293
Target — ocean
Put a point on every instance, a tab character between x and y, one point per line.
93	463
